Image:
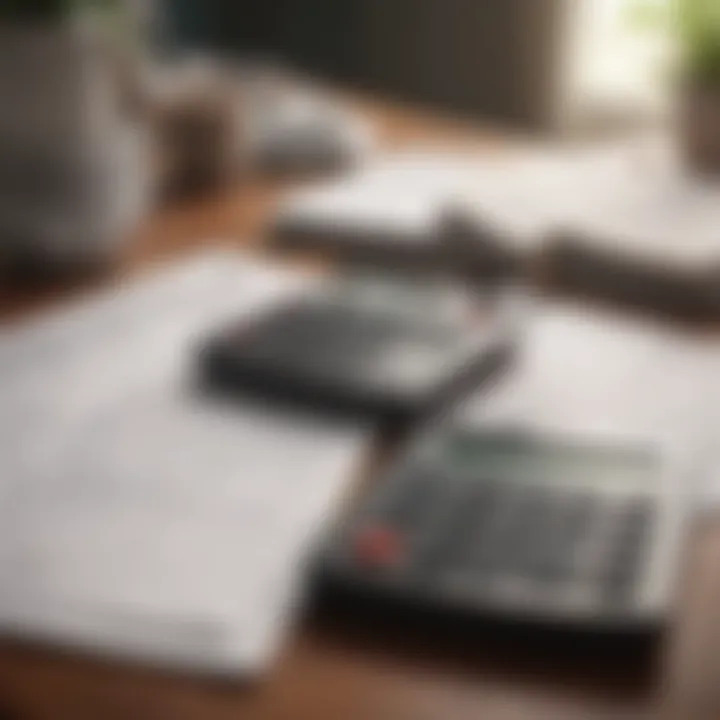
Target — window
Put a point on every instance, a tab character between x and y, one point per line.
617	65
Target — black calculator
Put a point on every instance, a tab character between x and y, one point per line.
510	526
387	350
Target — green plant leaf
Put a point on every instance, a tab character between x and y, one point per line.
643	15
698	27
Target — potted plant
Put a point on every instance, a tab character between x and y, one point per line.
693	27
698	27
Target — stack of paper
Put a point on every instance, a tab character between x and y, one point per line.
623	221
397	211
137	517
644	233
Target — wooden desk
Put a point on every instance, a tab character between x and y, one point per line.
324	674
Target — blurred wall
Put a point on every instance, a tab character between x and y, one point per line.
491	58
498	58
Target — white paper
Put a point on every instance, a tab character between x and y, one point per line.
401	194
632	197
404	194
139	518
601	377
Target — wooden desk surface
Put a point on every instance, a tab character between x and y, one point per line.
324	674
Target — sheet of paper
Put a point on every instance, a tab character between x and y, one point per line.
405	193
170	517
139	518
54	371
400	194
632	198
632	195
640	203
604	377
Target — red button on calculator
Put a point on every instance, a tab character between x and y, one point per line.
378	546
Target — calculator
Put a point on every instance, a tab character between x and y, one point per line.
510	526
391	350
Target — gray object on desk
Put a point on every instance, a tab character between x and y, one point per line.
390	350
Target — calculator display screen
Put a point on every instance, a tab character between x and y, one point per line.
520	458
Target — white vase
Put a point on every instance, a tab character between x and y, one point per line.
70	158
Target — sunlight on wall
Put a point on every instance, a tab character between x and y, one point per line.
615	67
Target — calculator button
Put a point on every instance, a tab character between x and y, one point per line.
378	546
418	496
527	531
501	542
555	558
453	543
628	544
619	585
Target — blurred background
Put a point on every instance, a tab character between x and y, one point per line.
546	64
196	93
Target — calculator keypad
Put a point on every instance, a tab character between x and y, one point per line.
625	555
475	536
